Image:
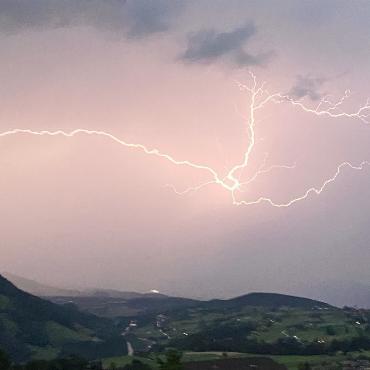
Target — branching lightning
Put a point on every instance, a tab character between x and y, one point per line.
232	182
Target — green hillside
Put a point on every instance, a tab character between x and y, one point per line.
264	324
31	327
260	323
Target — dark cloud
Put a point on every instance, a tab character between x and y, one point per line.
147	17
208	46
132	18
307	86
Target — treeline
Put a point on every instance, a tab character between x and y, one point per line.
171	360
69	363
291	346
91	350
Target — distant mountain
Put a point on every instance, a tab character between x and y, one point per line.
115	303
43	290
112	293
39	289
337	293
101	302
108	306
268	300
31	327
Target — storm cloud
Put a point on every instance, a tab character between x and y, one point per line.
131	18
207	46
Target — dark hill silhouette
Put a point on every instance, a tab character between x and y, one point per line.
106	306
269	300
29	324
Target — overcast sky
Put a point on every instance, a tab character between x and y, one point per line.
86	211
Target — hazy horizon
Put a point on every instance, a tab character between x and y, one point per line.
337	293
85	211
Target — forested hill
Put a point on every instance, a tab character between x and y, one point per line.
31	326
268	300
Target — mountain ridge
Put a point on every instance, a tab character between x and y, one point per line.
36	288
270	299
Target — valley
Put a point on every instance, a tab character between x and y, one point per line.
117	328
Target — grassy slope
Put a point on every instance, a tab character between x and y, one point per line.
306	325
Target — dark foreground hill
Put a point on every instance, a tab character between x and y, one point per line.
33	327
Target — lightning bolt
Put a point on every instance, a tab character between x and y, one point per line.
232	182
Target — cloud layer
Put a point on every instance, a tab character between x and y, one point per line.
132	18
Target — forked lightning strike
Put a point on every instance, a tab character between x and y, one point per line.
232	181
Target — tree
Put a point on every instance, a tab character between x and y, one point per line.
172	360
4	361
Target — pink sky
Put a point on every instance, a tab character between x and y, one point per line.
85	211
